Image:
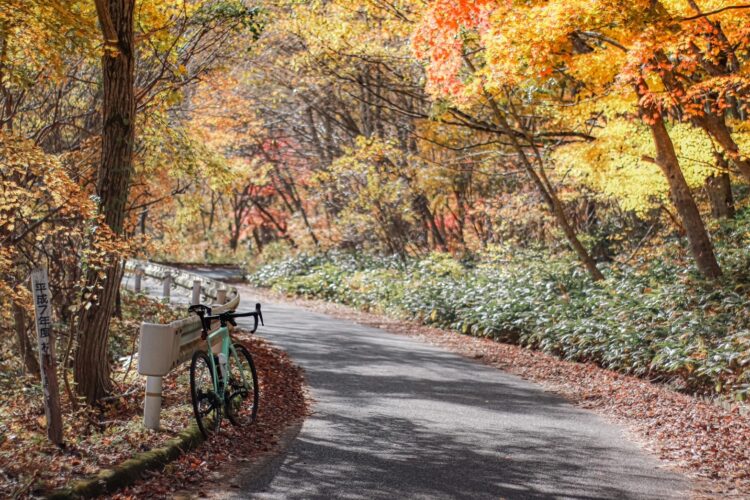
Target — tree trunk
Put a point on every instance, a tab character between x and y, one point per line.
258	240
539	179
719	191
118	304
698	239
234	237
25	347
422	207
717	128
118	135
583	255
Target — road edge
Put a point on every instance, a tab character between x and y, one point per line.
129	471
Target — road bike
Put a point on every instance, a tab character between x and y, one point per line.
223	380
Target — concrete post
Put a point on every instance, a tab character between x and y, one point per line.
221	296
196	292
167	286
152	404
138	277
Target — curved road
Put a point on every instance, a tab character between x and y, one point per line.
396	418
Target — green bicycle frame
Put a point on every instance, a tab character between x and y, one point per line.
227	350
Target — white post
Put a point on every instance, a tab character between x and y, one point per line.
221	296
138	276
152	404
196	292
167	285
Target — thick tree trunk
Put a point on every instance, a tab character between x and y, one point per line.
717	128
25	347
118	135
422	207
682	198
719	191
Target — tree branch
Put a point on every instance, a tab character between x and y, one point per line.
107	26
717	11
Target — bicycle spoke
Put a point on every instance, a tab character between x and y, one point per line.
242	401
206	406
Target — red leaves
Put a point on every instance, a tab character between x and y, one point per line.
438	39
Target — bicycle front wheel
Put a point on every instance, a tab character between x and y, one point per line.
206	403
242	397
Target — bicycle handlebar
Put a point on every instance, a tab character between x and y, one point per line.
224	318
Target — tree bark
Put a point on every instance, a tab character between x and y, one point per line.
719	191
422	207
698	239
25	347
118	134
666	158
717	128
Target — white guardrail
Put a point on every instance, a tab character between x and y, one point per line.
163	348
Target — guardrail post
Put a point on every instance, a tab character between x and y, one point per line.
138	277
167	285
152	404
163	347
196	292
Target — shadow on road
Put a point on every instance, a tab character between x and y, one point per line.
394	418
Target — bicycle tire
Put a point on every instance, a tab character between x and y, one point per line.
242	401
206	404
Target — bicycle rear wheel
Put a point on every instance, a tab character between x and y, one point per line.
206	403
242	397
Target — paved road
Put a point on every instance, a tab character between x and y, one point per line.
395	418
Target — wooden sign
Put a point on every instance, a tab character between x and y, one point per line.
47	363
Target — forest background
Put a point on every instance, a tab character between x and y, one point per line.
572	176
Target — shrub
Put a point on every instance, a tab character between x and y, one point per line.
657	320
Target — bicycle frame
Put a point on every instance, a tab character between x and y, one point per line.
227	350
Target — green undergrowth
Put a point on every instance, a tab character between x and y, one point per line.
653	317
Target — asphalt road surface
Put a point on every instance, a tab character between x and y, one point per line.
395	418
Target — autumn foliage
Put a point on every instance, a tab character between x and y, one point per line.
613	133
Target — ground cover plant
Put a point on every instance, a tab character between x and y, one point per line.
653	317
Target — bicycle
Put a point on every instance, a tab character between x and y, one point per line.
226	380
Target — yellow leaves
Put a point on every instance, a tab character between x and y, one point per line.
614	165
41	206
372	178
39	35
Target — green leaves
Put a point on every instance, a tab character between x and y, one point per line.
656	322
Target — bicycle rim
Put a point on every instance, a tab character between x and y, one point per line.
206	405
242	397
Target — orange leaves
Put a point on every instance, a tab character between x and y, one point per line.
43	211
439	39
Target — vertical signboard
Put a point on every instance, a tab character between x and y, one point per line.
47	363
